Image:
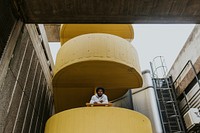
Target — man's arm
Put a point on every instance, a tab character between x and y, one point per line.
92	101
105	99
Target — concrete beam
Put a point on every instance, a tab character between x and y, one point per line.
6	57
112	11
53	32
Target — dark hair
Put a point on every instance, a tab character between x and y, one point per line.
100	88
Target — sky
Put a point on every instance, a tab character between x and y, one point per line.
153	40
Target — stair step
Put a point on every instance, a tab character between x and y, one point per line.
177	131
174	126
165	123
173	123
174	116
166	89
165	92
170	110
170	114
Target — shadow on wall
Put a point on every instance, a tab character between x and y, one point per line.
125	101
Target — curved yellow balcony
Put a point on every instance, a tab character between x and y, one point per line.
93	60
98	120
69	31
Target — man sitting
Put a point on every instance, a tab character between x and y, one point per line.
99	97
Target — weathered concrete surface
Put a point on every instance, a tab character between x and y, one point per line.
25	90
53	32
190	51
110	11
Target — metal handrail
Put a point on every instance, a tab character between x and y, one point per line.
131	94
194	70
189	62
196	77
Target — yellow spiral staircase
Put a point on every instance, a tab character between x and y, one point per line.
94	55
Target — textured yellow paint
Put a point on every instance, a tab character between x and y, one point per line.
69	31
98	120
93	60
97	47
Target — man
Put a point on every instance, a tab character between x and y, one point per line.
99	97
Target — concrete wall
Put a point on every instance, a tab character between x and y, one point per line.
190	51
25	82
125	101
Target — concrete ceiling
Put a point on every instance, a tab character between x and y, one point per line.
109	11
53	12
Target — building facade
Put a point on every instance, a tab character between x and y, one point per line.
25	82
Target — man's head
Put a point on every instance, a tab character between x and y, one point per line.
100	91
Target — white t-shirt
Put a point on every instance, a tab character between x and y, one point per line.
96	98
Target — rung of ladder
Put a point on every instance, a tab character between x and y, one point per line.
170	102
173	116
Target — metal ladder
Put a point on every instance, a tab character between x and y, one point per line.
168	107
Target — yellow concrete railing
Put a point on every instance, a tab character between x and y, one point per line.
69	31
98	120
